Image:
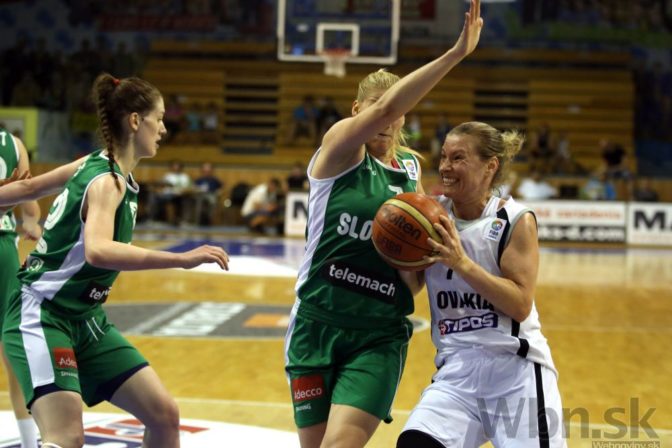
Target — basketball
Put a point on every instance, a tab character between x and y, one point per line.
401	228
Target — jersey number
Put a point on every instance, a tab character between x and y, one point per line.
3	136
57	210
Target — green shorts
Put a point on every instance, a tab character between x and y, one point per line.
49	352
356	367
9	258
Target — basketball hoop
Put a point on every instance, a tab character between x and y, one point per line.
334	61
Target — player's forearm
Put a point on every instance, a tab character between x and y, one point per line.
17	192
504	294
40	186
125	257
405	94
30	212
414	280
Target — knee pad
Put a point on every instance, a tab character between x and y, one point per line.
417	439
50	445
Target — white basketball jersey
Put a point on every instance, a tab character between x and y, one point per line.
462	318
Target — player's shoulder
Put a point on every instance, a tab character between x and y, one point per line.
107	186
514	207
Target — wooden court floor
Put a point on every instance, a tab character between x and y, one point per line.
606	312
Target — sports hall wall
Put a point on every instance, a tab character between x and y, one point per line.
612	59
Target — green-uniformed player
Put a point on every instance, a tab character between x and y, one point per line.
14	159
56	334
346	343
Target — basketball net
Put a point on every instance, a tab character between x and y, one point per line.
334	62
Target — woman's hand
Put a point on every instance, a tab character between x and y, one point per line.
205	254
471	32
31	231
14	177
450	253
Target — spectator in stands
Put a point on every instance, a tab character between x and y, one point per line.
197	7
262	207
75	91
413	130
643	190
328	114
83	12
124	63
541	151
193	118
208	188
27	92
440	131
58	62
12	73
53	95
613	156
304	121
171	201
509	185
42	63
174	118
598	188
238	194
297	180
616	169
210	120
103	54
535	188
563	162
535	11
85	59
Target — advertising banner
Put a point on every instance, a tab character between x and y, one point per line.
588	221
650	224
296	213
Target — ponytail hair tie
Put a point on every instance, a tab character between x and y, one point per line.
116	81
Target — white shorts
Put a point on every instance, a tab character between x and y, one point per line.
480	396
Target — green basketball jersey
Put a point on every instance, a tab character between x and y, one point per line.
57	270
9	159
342	279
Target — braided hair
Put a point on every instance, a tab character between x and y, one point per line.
114	100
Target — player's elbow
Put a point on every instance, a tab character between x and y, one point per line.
30	190
30	209
94	255
522	310
387	112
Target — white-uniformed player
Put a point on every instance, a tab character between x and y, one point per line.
496	379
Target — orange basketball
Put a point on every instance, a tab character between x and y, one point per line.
401	228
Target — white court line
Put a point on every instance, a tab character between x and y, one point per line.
609	329
249	266
273	404
423	322
166	314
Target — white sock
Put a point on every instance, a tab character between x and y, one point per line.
28	432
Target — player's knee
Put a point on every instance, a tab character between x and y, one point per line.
66	439
417	439
166	417
172	415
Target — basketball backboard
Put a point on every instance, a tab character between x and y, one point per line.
367	29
